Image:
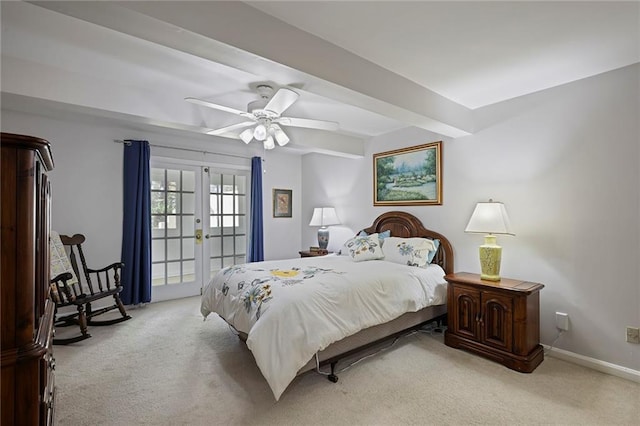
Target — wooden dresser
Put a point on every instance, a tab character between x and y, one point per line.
499	320
28	391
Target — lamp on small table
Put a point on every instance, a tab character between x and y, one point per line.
490	218
323	217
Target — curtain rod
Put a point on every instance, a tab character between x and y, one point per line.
126	142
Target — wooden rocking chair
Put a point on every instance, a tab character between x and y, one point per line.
100	283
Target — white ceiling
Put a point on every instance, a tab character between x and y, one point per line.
373	67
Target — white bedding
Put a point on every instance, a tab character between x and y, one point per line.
291	309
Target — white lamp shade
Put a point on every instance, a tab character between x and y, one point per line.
246	135
324	216
281	137
268	143
489	218
260	132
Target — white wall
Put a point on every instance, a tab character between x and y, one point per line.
565	162
87	178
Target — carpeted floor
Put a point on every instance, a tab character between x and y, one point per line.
168	367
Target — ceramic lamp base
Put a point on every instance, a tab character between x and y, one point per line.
490	256
323	237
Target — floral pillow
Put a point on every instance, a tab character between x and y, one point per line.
365	247
382	235
409	251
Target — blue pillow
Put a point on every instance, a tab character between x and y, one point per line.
381	235
431	255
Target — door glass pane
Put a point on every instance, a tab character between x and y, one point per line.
173	249
173	272
241	185
157	251
188	203
241	244
173	226
215	246
188	181
157	179
188	271
227	246
188	226
173	202
188	248
157	274
173	180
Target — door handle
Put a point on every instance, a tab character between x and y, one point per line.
199	236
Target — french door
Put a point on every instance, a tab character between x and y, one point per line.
199	225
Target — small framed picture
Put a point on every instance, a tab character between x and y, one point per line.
282	202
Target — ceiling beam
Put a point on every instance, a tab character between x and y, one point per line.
242	37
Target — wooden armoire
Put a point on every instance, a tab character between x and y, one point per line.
27	313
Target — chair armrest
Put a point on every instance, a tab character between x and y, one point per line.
115	265
65	276
63	293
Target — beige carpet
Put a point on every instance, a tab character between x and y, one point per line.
168	367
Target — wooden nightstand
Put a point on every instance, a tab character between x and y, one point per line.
308	253
499	320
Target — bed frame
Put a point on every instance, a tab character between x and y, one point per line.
405	225
401	224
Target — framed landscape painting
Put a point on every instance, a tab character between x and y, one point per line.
408	176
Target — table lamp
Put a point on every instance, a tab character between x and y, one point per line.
490	218
323	217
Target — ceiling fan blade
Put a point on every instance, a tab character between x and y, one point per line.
218	107
310	124
228	129
282	100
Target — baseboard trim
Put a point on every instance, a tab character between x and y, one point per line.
595	364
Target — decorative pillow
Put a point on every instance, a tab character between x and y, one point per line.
408	251
364	248
432	253
382	235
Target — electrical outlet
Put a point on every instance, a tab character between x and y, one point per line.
562	321
633	334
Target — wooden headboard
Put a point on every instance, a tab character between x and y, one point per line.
405	225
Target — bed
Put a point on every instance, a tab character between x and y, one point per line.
298	314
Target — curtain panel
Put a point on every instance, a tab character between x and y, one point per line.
256	233
136	224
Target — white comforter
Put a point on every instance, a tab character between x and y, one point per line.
291	309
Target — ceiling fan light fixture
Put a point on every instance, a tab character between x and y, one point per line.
260	132
246	135
281	137
268	143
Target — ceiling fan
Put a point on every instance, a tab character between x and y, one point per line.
266	115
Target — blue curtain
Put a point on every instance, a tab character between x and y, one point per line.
256	237
136	224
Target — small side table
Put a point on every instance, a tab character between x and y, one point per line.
308	253
499	320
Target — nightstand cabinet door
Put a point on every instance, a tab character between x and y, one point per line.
496	320
466	312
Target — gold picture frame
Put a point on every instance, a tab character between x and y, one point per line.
282	202
408	176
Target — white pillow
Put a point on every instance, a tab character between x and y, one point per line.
408	251
364	247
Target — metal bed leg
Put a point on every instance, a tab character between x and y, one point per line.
332	377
